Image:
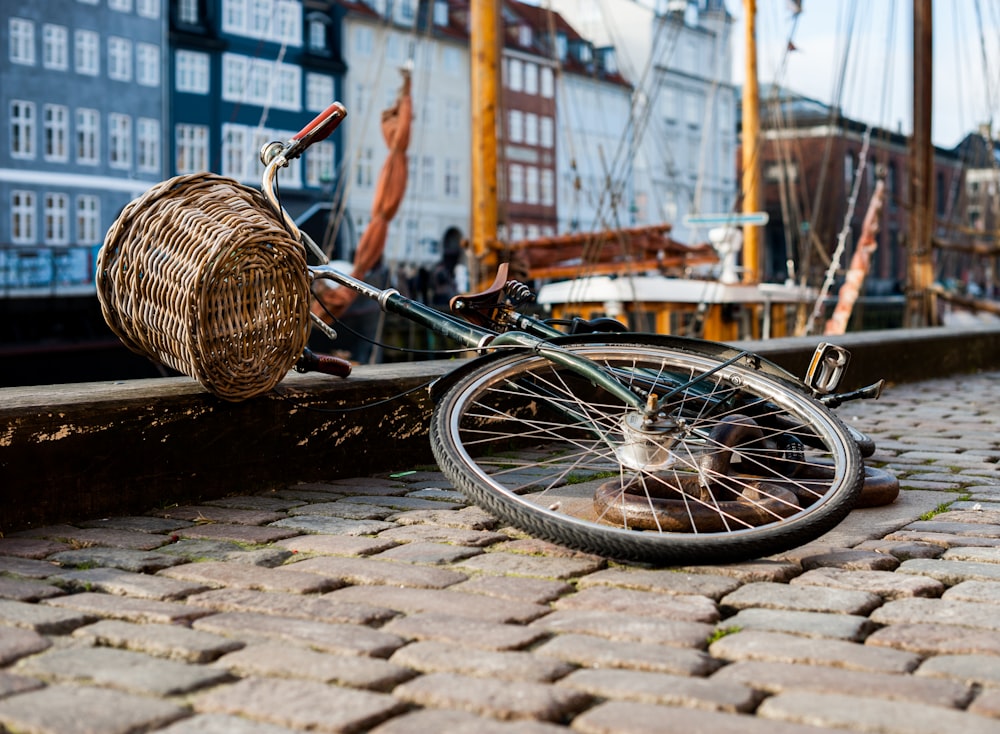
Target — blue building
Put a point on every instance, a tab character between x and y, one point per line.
82	88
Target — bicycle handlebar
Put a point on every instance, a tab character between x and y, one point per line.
320	128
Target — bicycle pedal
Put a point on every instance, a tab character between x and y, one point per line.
827	367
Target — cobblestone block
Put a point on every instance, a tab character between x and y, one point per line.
781	648
443	657
767	595
127	608
125	583
138	523
626	627
943	540
309	494
938	611
442	534
596	652
319	609
982	670
83	710
239	575
500	563
950	573
40	618
525	545
251	534
885	584
981	591
780	677
422	721
412	601
986	703
619	717
112	538
128	671
342	639
329	525
222	724
127	560
661	688
505	700
196	549
469	518
936	639
275	660
869	714
300	704
976	555
404	503
665	582
517	588
469	632
35	548
642	603
169	641
27	568
261	502
11	684
335	545
18	643
851	560
27	589
345	509
902	550
368	571
429	553
751	571
952	527
807	624
217	514
975	517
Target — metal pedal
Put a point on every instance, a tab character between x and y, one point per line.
827	367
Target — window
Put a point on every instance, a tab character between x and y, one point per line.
148	8
516	193
261	82
55	121
452	115
192	148
22	41
515	75
88	126
260	18
319	163
55	47
515	130
88	219
546	132
119	140
530	78
452	178
531	128
192	72
364	40
287	26
148	145
451	59
406	11
119	59
317	34
235	144
548	187
187	12
531	185
122	6
319	92
427	175
363	176
86	53
22	217
441	12
22	129
147	64
56	219
547	82
234	16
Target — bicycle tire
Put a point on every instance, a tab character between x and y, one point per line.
544	450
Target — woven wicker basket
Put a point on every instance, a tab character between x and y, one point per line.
198	274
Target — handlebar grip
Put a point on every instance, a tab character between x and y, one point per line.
325	363
320	127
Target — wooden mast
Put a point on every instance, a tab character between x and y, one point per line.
751	142
484	48
920	274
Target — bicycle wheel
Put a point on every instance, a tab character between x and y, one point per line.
737	465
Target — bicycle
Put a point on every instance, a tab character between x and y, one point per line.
629	445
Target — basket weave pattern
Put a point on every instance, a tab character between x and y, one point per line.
198	274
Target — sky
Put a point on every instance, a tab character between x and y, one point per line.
876	81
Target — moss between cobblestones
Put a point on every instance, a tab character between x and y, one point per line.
721	632
945	506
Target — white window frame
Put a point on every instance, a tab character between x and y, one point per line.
531	180
452	178
192	74
55	47
320	160
122	6
530	128
546	131
55	132
147	8
23	121
548	187
88	219
191	145
88	136
515	75
147	64
22	41
55	213
363	174
427	175
86	52
531	78
119	140
188	12
516	183
546	82
22	217
148	135
515	126
319	91
119	59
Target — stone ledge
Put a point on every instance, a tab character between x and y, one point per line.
98	449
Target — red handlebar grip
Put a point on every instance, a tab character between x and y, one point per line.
330	365
322	125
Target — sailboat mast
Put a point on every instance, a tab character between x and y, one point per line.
920	274
484	48
751	142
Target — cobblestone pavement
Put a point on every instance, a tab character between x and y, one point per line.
387	604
